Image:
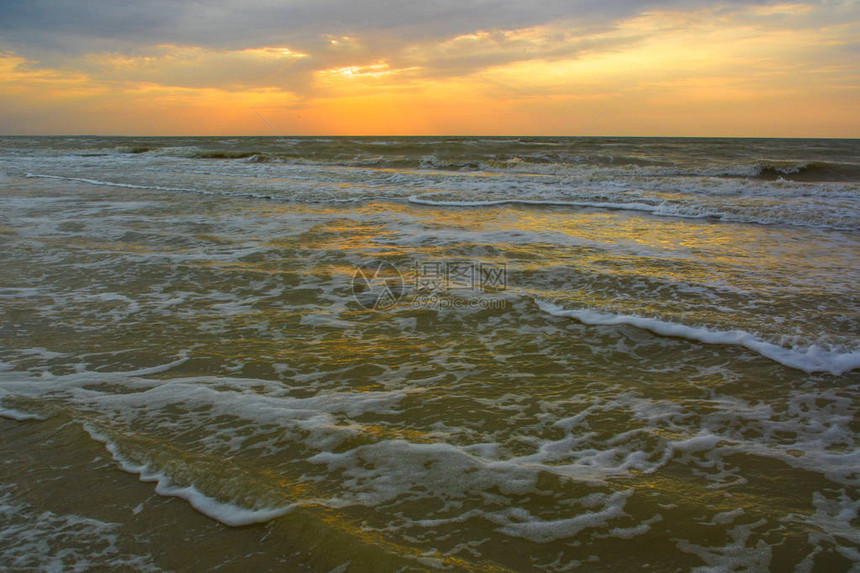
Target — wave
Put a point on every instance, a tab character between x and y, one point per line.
811	171
145	187
227	513
108	183
540	155
540	203
811	359
767	170
229	155
319	198
811	216
17	415
657	167
133	149
832	161
764	170
663	209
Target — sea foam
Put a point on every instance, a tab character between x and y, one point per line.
811	359
227	513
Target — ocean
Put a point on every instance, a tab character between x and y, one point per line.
431	353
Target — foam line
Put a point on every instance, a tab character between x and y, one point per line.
18	415
538	202
226	513
111	183
664	209
812	359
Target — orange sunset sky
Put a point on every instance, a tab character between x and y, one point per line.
493	67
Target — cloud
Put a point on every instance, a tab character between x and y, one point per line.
211	44
80	26
234	24
195	67
500	57
481	31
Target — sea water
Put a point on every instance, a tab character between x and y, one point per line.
396	354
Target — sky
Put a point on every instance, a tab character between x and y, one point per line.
445	67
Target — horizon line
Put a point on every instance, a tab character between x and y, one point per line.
429	136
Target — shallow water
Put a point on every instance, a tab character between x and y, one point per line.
593	353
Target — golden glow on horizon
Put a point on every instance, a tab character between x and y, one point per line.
661	73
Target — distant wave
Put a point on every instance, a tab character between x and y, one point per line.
663	209
540	155
268	197
803	171
145	187
462	158
811	359
764	170
810	172
109	183
539	202
229	155
133	149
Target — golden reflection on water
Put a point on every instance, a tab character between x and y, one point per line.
622	229
221	478
684	252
